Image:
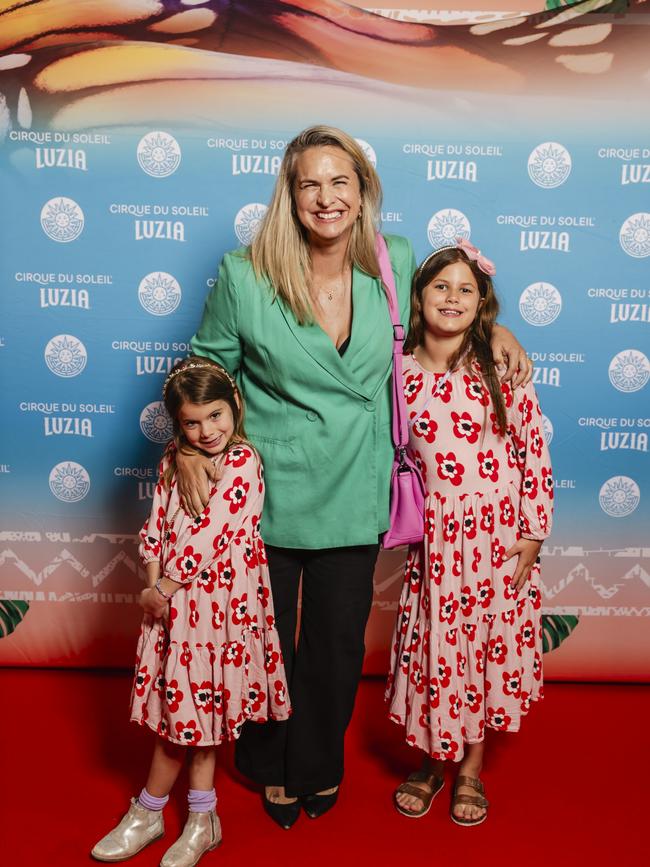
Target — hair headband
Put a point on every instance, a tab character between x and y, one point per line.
473	254
194	366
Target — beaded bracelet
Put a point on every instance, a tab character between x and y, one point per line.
161	591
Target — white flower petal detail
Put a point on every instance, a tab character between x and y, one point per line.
493	26
5	118
590	35
524	40
589	64
24	113
13	61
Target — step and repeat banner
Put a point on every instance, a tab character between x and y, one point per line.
140	141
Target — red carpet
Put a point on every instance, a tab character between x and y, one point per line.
570	788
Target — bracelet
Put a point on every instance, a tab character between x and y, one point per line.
161	591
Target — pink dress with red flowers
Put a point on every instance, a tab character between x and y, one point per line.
466	650
217	663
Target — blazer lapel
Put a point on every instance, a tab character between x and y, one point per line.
322	351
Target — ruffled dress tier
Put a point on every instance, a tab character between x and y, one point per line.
467	649
216	663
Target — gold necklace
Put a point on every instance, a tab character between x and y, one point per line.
334	289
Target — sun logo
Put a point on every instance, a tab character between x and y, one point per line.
69	482
368	150
159	154
549	165
547	428
62	219
159	293
540	304
447	225
629	370
634	236
155	422
619	496
65	355
248	221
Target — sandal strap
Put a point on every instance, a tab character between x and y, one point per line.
420	794
431	780
472	782
471	800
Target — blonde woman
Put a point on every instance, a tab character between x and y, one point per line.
301	320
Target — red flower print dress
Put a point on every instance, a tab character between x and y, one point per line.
466	649
217	663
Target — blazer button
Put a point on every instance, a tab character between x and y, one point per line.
312	416
369	406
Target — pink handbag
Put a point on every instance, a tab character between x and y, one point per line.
406	487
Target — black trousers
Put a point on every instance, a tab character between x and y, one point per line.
305	753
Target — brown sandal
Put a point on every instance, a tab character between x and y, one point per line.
478	800
434	784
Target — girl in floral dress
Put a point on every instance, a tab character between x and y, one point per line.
208	659
466	652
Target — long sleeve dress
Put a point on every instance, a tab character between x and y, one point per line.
466	651
217	662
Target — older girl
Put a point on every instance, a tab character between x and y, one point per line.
466	650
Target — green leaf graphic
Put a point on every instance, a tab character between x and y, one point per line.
556	628
12	611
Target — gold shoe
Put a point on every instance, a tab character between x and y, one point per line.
201	833
136	830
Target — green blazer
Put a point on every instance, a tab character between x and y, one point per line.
321	422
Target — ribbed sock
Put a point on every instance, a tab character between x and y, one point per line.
200	801
150	802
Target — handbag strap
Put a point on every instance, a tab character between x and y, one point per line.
399	426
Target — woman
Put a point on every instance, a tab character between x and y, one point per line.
301	319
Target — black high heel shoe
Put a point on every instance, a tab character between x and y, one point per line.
284	814
315	805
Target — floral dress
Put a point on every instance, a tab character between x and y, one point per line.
217	662
466	649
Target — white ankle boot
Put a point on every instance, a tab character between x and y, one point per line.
201	833
138	828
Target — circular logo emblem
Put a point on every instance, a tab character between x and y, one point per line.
368	150
69	482
549	165
159	154
547	429
619	496
62	219
155	422
635	235
247	222
159	293
65	355
445	226
629	370
540	304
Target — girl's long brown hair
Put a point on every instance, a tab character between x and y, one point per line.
199	380
476	344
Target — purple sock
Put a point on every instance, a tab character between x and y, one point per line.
200	801
150	802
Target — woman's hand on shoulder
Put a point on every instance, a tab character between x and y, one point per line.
508	353
195	475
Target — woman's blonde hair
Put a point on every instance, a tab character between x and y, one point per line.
280	251
199	380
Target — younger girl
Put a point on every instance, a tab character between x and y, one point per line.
209	657
466	651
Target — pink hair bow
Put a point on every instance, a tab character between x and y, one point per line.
486	265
